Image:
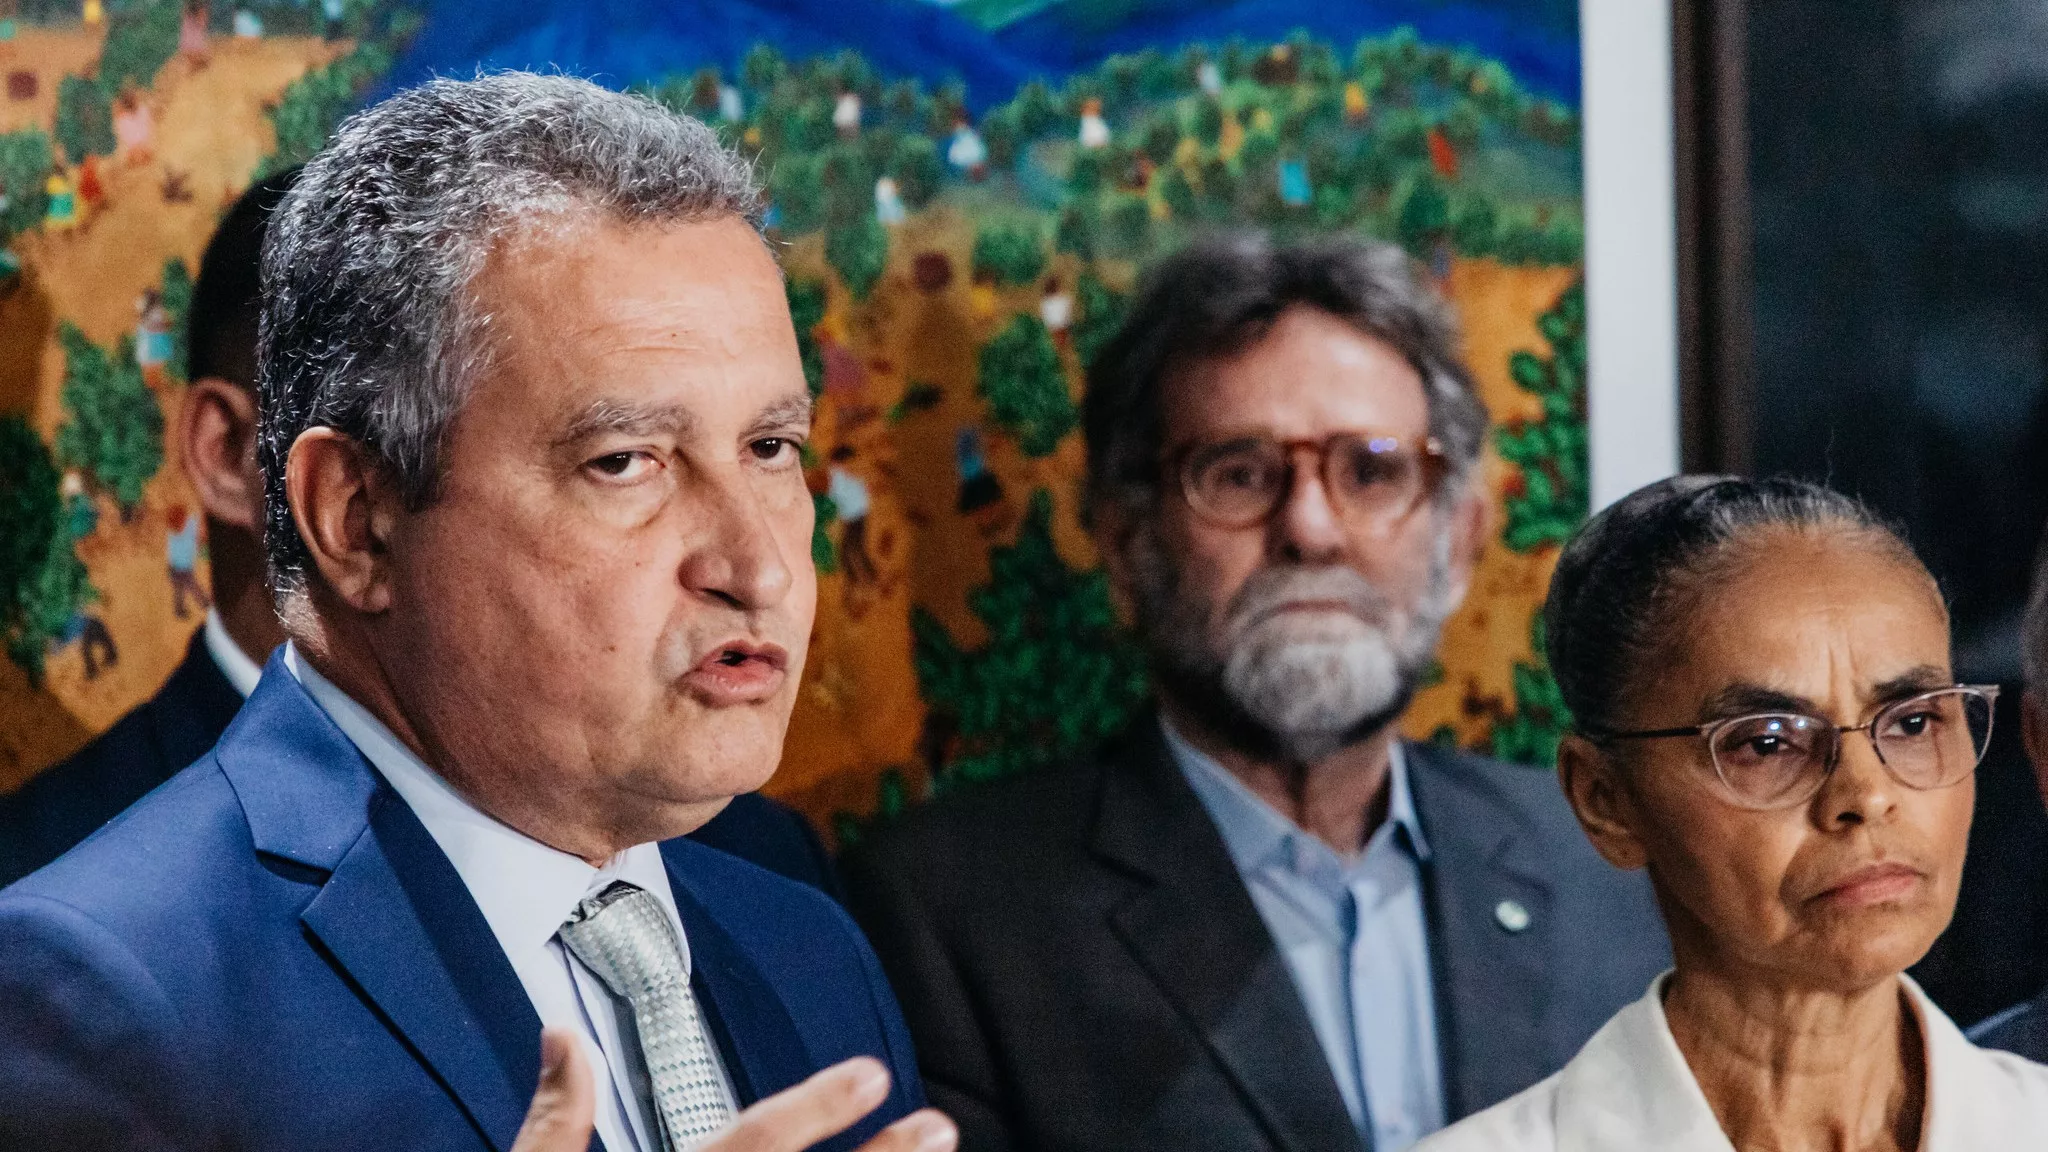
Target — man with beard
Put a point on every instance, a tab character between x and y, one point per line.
1260	920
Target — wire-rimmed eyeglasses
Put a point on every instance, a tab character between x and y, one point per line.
1771	760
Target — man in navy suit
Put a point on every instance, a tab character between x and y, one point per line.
537	527
216	434
1260	920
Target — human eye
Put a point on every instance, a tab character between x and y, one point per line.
624	467
777	452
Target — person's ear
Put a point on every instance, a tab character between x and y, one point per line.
216	434
1470	528
1601	800
1112	526
345	507
2034	736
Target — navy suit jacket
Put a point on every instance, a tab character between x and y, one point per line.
2021	1029
1083	968
270	951
65	804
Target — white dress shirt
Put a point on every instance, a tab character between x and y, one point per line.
1355	938
526	890
228	656
1630	1089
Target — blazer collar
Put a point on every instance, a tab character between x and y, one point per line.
1190	901
763	1050
391	912
1488	898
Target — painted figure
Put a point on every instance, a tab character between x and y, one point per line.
192	44
331	13
153	341
889	201
1295	191
181	554
850	497
1209	77
248	25
1056	310
979	487
732	107
967	153
134	127
93	12
61	214
1094	129
95	643
846	115
81	515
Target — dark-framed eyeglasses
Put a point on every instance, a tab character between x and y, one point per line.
1772	760
1372	480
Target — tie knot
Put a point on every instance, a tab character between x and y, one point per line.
624	936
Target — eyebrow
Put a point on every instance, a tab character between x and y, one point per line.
790	410
1743	697
616	417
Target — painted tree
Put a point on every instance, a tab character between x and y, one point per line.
115	431
1026	387
24	162
1102	312
1549	493
311	106
1530	734
859	251
142	36
806	309
85	119
42	582
1012	253
1056	675
918	170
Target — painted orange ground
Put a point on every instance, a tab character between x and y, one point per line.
211	132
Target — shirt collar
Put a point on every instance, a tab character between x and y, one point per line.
1253	831
525	889
228	656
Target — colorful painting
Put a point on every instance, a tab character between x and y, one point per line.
964	192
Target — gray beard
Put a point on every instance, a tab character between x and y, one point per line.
1290	684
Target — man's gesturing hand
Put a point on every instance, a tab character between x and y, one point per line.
790	1121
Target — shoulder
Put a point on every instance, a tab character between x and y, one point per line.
1033	822
774	836
1526	1122
157	869
1457	791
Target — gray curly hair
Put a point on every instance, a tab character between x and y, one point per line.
368	325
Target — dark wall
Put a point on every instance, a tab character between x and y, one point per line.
1898	176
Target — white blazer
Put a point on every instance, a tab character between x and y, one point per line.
1629	1089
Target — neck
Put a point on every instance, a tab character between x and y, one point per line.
241	594
339	648
1798	1068
1340	799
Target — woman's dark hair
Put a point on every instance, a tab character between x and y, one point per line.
1625	575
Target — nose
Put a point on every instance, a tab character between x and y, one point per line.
1307	529
1860	790
735	557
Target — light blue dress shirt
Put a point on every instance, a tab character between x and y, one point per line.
1354	935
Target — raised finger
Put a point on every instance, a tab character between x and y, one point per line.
825	1105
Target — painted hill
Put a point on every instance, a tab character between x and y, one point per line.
1536	39
623	42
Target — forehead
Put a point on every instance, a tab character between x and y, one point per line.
1813	613
595	308
1309	374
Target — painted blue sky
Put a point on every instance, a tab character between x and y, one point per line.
994	45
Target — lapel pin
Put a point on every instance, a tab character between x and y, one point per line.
1511	915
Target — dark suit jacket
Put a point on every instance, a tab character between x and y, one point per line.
271	952
143	749
1083	968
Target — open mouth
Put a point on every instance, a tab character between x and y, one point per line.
739	672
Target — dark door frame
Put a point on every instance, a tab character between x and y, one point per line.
1716	359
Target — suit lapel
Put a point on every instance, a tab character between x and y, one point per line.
1193	929
392	914
759	1041
1491	978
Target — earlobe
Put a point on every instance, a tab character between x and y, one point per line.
1601	801
217	440
2034	736
1471	525
340	504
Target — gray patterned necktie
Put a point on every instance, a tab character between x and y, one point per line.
625	937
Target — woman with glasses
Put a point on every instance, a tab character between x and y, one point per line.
1766	720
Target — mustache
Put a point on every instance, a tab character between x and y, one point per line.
1272	590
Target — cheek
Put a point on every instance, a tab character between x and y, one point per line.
1723	865
1213	564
